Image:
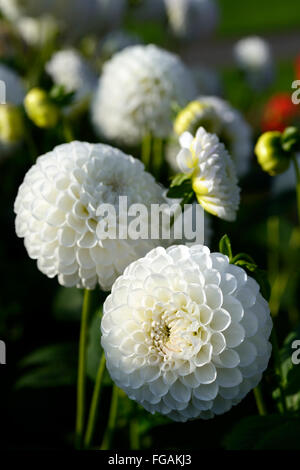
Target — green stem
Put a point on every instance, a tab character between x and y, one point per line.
94	404
157	157
260	403
297	171
278	368
67	129
134	434
107	440
146	151
80	414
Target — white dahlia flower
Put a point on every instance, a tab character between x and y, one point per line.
217	116
212	171
89	16
136	94
70	69
57	213
37	31
192	19
185	333
253	56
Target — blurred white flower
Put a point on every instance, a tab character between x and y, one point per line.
70	69
254	57
76	17
185	333
212	172
136	93
192	19
57	209
37	31
218	117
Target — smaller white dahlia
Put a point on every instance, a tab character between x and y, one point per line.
37	31
217	116
70	69
192	19
212	172
136	94
253	56
57	213
185	333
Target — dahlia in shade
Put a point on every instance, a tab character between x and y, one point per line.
57	212
136	94
212	171
192	19
219	117
70	69
185	333
253	56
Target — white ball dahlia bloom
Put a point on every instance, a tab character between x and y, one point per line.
192	19
70	69
219	117
212	171
185	333
136	93
57	212
254	57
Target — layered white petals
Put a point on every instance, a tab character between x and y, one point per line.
212	171
180	332
136	92
219	117
57	212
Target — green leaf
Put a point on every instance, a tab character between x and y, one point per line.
225	246
94	348
50	366
264	432
179	179
180	191
60	96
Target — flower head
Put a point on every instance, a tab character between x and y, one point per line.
279	112
68	68
217	116
185	333
57	212
137	91
212	171
191	19
253	56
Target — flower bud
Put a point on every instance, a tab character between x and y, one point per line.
40	109
290	139
270	154
187	118
11	123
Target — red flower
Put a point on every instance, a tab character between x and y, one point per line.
279	112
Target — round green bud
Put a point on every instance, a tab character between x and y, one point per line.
290	139
40	109
11	123
270	154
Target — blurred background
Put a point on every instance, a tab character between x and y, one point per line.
39	320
